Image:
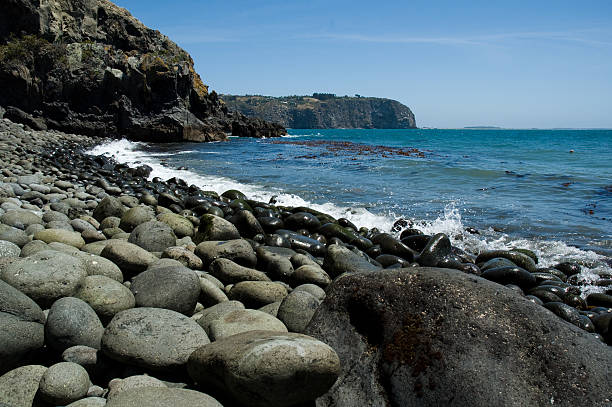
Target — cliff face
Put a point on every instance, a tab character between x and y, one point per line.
89	67
325	111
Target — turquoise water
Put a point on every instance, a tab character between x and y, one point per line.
512	185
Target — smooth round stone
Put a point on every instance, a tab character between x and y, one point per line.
496	262
81	225
71	321
109	206
56	224
239	251
118	386
162	397
96	247
61	236
259	368
229	272
211	293
271	308
186	257
64	383
246	223
22	323
276	265
153	236
32	229
106	296
297	309
599	300
136	216
19	386
153	338
255	294
111	222
9	249
520	259
64	248
339	260
20	219
81	355
13	235
99	266
215	228
174	288
33	247
302	220
564	311
217	311
89	402
179	224
312	289
45	276
312	274
129	257
243	320
511	275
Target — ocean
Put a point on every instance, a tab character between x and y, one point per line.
546	190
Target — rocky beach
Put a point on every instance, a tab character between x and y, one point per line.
118	288
122	290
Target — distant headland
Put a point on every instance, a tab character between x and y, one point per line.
324	110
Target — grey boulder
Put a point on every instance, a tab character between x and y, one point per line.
64	383
153	236
154	338
19	386
106	296
239	251
45	276
22	323
243	320
173	288
71	321
266	369
162	397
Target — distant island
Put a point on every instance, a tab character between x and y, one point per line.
482	127
324	110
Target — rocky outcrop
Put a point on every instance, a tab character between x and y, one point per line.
321	111
89	67
436	337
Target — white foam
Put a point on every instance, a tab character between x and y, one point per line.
450	222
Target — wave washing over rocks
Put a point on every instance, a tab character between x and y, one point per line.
117	289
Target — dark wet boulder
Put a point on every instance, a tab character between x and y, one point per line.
246	223
109	206
510	275
442	337
302	220
520	259
568	268
390	245
153	236
599	300
270	223
302	242
214	227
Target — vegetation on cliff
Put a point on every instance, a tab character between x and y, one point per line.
325	110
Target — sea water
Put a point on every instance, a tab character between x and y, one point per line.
546	190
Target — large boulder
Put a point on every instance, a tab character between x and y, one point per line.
130	258
106	296
432	337
174	288
153	236
153	338
266	369
45	276
71	321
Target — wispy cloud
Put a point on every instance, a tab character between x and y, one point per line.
587	36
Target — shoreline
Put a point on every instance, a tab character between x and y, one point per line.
284	266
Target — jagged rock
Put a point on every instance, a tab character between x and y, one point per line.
89	67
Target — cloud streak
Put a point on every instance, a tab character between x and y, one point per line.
577	36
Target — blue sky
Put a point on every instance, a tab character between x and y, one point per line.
454	63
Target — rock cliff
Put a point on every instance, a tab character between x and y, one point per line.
89	67
325	111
